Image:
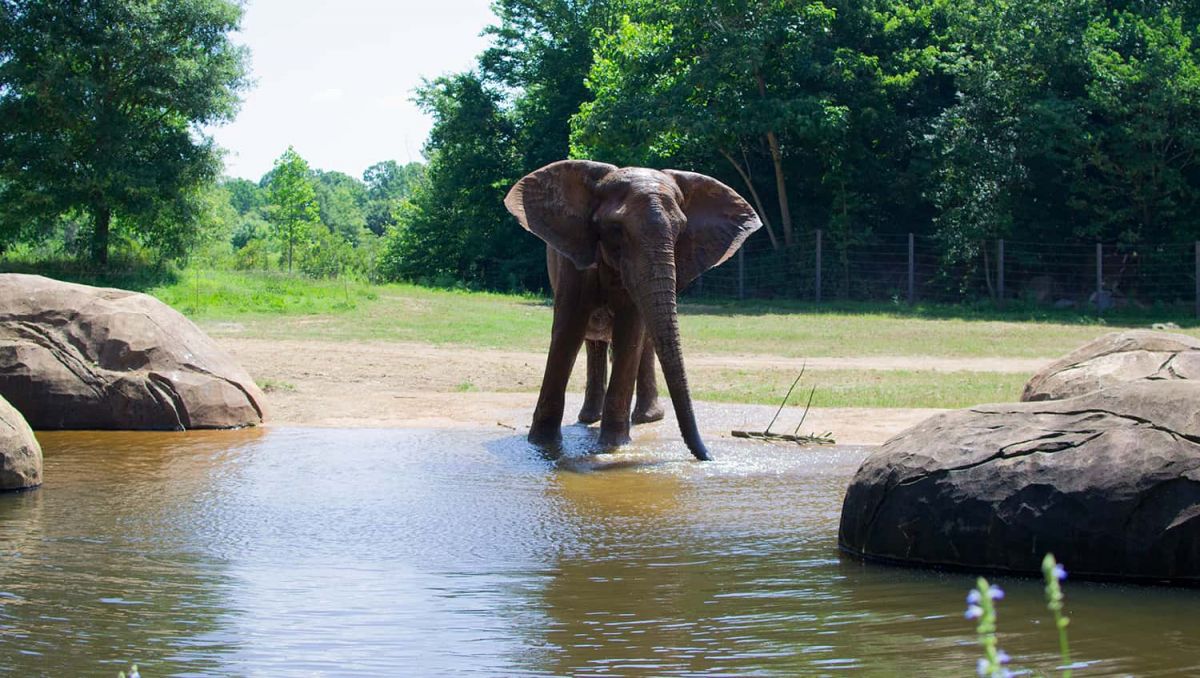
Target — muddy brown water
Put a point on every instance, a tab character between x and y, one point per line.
302	552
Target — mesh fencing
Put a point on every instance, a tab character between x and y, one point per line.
915	269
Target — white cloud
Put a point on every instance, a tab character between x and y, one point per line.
326	96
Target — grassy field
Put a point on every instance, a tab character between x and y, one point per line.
860	388
277	306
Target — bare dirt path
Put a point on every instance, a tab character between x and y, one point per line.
392	384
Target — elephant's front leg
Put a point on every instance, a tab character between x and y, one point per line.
597	377
627	351
647	408
570	325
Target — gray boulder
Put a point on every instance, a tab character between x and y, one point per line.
1109	482
1115	358
20	454
80	357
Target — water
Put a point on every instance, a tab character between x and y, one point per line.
300	552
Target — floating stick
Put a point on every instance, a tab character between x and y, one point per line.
805	415
785	398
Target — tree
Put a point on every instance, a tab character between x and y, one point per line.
455	227
542	51
294	211
1144	96
388	183
104	103
342	200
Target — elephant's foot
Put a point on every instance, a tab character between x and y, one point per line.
613	437
592	409
545	436
646	413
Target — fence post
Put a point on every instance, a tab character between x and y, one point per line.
818	267
1198	278
912	271
1099	277
1000	272
741	274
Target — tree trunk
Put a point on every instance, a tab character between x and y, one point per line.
103	217
762	213
785	212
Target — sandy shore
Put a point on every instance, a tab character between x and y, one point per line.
377	384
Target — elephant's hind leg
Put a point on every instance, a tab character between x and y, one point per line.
597	378
627	348
648	408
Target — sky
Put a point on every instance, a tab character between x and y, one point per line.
335	79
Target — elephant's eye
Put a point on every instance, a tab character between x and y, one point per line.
611	232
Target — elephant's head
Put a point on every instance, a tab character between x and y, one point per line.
659	229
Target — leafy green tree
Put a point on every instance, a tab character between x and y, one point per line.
1143	153
456	228
388	183
245	196
104	105
342	200
542	50
294	211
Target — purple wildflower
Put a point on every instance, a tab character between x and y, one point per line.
1059	572
995	593
973	612
981	667
1002	657
973	597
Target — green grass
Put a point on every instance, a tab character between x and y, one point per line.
275	306
280	306
865	388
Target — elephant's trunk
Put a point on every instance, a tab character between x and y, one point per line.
657	300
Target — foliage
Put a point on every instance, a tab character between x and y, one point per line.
491	126
104	105
294	211
455	228
388	184
1043	121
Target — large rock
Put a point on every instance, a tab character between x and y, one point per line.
20	454
1109	482
79	357
1115	358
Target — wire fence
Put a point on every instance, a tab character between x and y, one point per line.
914	269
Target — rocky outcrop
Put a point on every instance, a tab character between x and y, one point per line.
1115	358
1108	481
80	357
20	454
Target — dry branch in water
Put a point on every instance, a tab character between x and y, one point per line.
825	438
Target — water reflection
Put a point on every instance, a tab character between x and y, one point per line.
323	552
102	566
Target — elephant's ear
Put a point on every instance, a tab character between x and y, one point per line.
718	221
556	202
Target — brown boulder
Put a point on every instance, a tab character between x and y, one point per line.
80	357
20	454
1115	358
1108	481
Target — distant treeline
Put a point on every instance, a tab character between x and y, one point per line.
963	121
1053	121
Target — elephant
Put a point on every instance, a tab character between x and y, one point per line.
626	240
598	338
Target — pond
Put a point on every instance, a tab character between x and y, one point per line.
289	552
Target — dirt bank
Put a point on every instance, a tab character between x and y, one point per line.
369	384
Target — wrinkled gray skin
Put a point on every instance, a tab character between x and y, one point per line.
630	238
598	338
